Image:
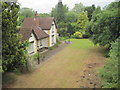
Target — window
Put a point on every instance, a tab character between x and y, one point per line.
52	39
52	28
31	47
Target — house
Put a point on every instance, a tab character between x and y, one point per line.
41	32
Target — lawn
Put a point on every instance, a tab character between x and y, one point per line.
63	70
81	43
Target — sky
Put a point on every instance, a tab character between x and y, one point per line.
45	6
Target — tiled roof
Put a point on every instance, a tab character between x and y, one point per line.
26	32
39	33
46	22
43	22
36	25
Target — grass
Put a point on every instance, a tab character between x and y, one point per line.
81	44
62	70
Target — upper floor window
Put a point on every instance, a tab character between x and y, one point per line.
52	28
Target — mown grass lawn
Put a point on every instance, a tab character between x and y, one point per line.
81	44
64	69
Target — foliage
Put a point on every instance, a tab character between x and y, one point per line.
71	17
113	5
44	14
103	28
62	29
13	52
97	10
60	12
82	21
109	73
70	30
90	10
24	13
78	35
78	8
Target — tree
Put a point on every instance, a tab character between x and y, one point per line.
71	17
90	10
70	30
82	21
103	28
13	50
44	14
78	8
62	29
25	13
113	5
60	12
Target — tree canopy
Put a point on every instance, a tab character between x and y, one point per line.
13	50
24	13
103	28
78	8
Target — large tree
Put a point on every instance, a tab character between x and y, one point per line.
78	8
82	21
13	50
59	13
90	10
25	13
104	27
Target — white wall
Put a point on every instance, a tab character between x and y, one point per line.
43	42
53	32
34	48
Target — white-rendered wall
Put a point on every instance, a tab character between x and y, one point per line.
53	33
44	43
31	39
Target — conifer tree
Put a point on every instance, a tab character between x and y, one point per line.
13	50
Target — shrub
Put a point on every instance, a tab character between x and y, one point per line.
109	73
78	35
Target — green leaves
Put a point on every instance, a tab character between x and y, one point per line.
82	21
13	52
109	74
103	28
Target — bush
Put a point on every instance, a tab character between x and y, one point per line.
78	35
109	73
